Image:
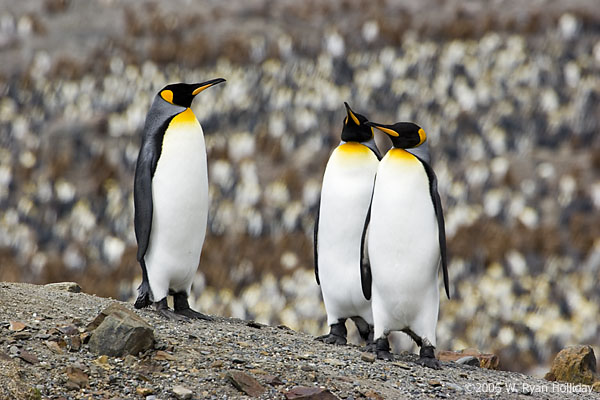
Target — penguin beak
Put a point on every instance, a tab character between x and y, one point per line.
198	87
383	128
351	115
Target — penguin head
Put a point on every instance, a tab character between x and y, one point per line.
404	135
182	94
355	127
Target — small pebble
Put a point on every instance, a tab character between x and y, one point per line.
182	392
368	357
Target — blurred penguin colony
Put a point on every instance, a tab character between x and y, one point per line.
511	108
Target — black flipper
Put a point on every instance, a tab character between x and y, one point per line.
144	291
439	213
315	241
142	187
365	265
157	121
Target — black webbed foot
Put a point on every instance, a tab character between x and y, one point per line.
189	313
163	309
337	334
382	348
370	347
182	307
331	338
427	358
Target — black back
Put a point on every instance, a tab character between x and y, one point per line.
157	121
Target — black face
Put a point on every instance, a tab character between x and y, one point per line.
355	127
404	135
182	94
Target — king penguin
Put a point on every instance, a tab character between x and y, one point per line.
406	244
340	229
171	200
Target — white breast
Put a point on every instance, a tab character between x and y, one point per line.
345	199
180	200
403	240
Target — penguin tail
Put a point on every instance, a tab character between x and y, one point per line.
143	299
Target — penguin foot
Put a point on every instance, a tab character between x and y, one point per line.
385	355
332	338
163	309
427	358
182	307
189	313
370	347
382	348
432	363
170	314
337	333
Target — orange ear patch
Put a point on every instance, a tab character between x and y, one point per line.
422	137
167	96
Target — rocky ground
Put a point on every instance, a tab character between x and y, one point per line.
42	357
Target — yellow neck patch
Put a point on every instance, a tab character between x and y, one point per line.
186	117
353	148
401	155
353	152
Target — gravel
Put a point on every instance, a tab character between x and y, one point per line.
216	360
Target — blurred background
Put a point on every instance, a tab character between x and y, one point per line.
508	92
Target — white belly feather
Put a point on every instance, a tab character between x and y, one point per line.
404	248
345	199
180	200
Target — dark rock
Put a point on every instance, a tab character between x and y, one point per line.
309	393
120	332
245	383
28	357
469	360
68	330
254	324
21	336
273	380
574	364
